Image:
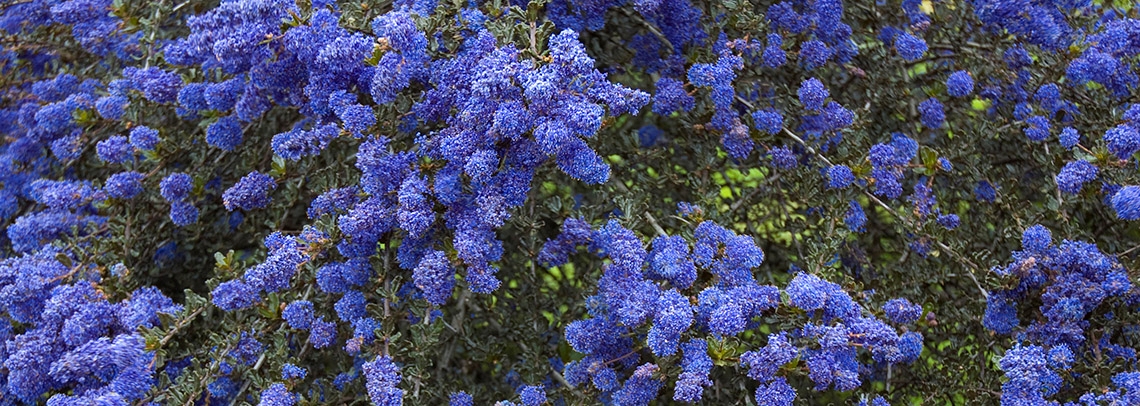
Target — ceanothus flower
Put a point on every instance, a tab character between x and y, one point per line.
115	149
382	378
1037	128
249	193
416	213
671	97
223	96
1126	203
902	311
435	277
350	307
156	84
460	399
768	120
299	314
812	94
674	316
192	97
669	260
695	365
814	54
144	138
985	191
774	56
277	395
640	388
233	295
124	185
1123	140
949	221
1074	175
933	114
112	107
1069	137
776	393
532	395
1001	314
764	362
1030	380
910	47
1036	239
276	272
839	177
855	219
783	158
176	187
183	213
960	84
323	333
226	133
807	291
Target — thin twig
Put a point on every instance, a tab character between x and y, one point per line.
970	266
1129	251
648	216
181	323
533	41
245	386
558	377
736	205
652	28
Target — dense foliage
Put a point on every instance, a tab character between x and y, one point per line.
569	202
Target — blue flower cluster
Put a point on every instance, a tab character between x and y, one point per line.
1071	282
273	275
727	305
73	341
382	376
251	192
478	118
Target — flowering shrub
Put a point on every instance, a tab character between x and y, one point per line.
569	202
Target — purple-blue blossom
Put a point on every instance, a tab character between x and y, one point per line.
854	218
299	314
671	97
768	120
249	193
1074	175
183	213
839	177
277	395
323	333
532	395
176	187
949	221
932	112
435	277
144	138
1037	128
910	47
115	149
812	94
696	365
1126	203
902	311
382	378
225	134
783	158
124	185
1069	137
1122	140
960	84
